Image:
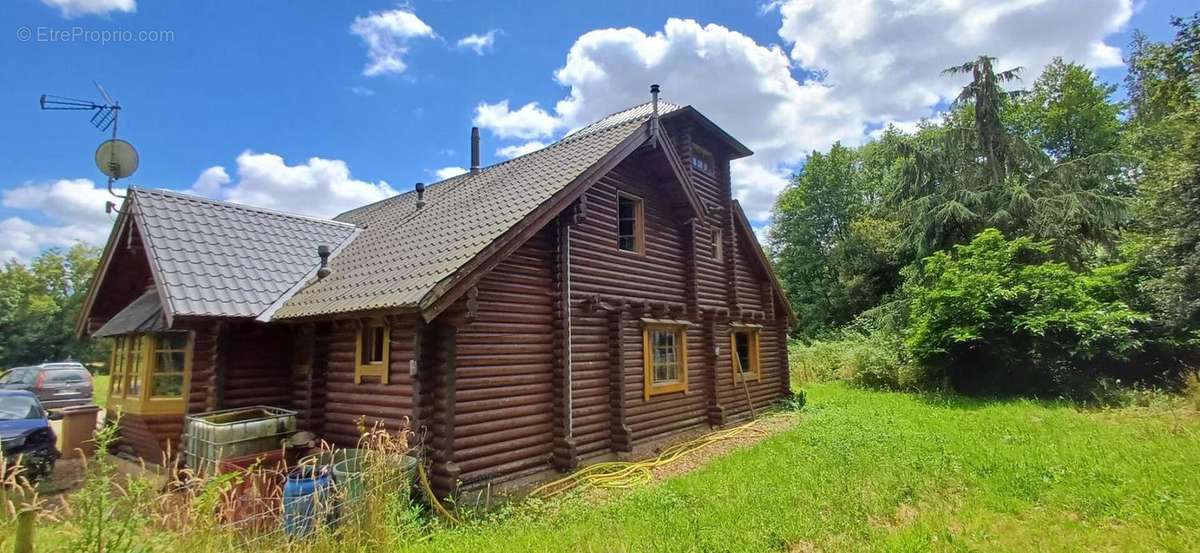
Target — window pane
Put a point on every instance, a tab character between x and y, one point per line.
627	224
172	340
168	385
377	339
663	356
137	363
742	341
118	368
170	362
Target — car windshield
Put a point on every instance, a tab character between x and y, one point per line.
14	376
19	407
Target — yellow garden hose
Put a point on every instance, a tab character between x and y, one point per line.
433	500
625	474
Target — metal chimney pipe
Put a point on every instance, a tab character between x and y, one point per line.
474	150
420	188
654	124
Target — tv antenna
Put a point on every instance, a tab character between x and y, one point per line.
116	158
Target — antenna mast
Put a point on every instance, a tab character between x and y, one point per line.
115	158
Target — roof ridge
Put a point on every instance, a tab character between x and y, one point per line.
235	205
463	177
661	102
401	195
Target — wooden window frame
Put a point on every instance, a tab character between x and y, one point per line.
755	342
373	369
718	243
706	156
122	363
679	329
639	223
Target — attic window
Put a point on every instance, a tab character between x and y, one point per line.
371	353
630	224
703	161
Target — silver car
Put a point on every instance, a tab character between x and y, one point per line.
56	385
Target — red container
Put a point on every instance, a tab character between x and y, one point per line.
257	494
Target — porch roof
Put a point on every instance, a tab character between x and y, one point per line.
145	314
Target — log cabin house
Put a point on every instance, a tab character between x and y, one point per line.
551	310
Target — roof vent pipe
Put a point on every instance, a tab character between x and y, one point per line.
323	253
474	150
420	188
654	130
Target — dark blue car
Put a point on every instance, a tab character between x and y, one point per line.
25	433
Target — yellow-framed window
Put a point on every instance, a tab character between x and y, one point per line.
150	372
169	365
372	351
664	358
136	369
116	369
631	224
744	347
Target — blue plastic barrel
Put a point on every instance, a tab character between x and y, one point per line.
306	498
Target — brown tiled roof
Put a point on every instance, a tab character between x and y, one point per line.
220	259
403	253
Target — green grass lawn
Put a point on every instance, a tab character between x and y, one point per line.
100	389
897	472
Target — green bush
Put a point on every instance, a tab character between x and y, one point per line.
998	315
868	359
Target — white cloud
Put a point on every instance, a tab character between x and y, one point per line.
70	211
387	35
757	98
517	150
74	8
849	67
447	172
209	182
479	43
885	56
67	211
318	187
361	91
527	122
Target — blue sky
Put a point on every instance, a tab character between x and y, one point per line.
235	99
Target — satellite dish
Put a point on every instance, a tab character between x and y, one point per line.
116	158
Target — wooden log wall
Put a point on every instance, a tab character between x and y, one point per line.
346	402
152	438
607	351
256	365
504	359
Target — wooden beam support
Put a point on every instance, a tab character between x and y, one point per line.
621	436
445	472
565	456
712	343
